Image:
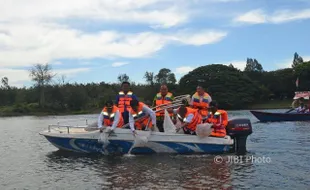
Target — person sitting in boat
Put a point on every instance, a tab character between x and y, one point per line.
219	119
301	108
164	97
189	118
141	113
200	100
110	117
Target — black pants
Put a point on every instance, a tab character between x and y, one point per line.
160	125
125	117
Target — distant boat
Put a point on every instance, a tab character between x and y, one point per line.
276	117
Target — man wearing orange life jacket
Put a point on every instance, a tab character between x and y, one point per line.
123	100
110	117
219	119
162	98
141	113
189	117
200	100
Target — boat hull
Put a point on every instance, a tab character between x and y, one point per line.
277	117
121	143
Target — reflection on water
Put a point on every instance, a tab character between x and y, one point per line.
29	161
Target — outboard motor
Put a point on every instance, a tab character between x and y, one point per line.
239	130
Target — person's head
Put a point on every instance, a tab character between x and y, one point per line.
200	90
134	104
125	86
109	105
213	106
182	111
163	89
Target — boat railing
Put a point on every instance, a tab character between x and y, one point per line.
58	125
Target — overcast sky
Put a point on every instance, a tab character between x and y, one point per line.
96	40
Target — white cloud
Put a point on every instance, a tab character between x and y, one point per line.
258	16
287	16
184	70
119	64
151	12
254	17
199	38
23	44
17	77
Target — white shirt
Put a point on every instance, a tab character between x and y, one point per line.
188	119
115	122
147	111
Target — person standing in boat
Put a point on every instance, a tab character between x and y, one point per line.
110	117
189	118
200	100
219	119
123	100
164	97
141	116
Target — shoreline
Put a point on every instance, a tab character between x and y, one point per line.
276	104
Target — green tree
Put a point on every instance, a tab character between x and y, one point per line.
302	71
229	86
252	65
5	82
123	78
165	76
149	78
42	75
297	60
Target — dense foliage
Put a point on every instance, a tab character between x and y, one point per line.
232	88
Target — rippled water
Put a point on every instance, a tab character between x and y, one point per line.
29	161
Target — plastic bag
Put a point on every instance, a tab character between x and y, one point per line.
203	130
141	140
168	124
103	139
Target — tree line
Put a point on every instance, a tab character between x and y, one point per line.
231	87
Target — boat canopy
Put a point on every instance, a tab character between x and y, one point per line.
305	95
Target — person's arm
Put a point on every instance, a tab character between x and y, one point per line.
100	121
117	100
151	113
134	97
192	101
210	99
154	101
189	118
131	122
116	119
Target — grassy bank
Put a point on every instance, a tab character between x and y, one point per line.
34	110
28	110
272	104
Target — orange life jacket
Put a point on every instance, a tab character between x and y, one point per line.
124	101
195	121
219	120
140	124
202	105
160	100
108	119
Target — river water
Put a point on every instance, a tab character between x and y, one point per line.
278	158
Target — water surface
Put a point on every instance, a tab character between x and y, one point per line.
29	161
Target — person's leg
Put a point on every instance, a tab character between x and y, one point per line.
125	117
160	125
